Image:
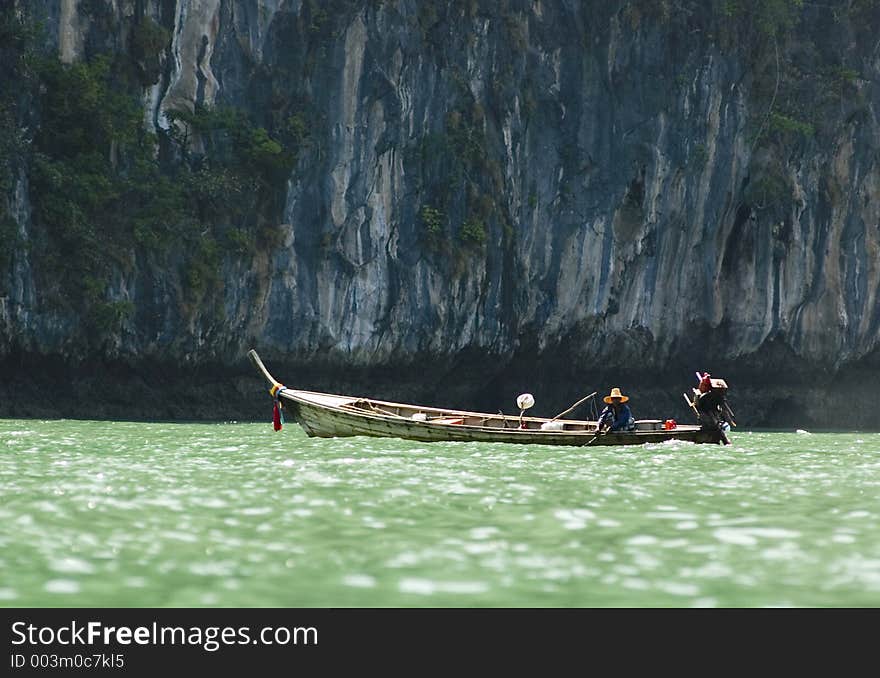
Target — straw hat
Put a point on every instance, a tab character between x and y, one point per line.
615	393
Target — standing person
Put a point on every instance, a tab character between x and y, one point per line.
617	415
711	403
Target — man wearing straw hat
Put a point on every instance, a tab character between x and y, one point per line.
616	416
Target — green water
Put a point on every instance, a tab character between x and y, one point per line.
128	514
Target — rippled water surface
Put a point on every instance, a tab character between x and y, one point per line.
130	514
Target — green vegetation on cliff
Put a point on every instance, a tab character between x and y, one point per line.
103	188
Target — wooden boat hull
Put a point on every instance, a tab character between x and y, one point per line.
328	416
321	422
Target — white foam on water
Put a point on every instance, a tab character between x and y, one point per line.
319	478
71	565
773	533
646	561
66	586
749	536
212	568
733	536
483	532
323	502
397	492
642	540
405	559
627	570
608	522
422	587
359	581
349	460
680	588
855	570
427	587
710	570
574	519
783	553
676	515
212	502
48	507
717	521
460	488
180	536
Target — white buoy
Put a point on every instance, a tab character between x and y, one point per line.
525	401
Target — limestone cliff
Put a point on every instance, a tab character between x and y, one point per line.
524	194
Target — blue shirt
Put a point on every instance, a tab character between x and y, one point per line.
624	420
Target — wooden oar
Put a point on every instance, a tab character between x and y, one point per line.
729	412
582	400
595	437
692	406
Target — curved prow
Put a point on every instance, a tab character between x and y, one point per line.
255	359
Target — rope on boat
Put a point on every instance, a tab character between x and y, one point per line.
277	414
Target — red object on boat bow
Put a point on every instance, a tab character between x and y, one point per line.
276	416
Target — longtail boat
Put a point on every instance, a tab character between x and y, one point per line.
328	415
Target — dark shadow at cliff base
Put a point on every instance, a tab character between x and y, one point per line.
49	387
766	391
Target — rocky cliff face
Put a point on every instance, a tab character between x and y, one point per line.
526	194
